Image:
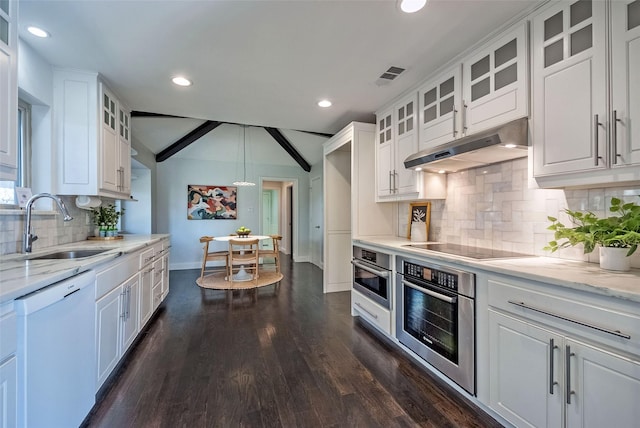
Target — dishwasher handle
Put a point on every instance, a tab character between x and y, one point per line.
53	293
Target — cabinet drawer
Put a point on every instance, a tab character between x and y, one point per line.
602	320
8	331
371	311
116	274
157	271
146	256
157	295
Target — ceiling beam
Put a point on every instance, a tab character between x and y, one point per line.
136	113
288	147
319	134
183	142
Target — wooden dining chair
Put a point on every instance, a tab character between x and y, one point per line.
210	256
243	258
274	252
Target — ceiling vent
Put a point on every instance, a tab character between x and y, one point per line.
386	77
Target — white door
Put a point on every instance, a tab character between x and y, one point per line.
625	46
606	385
107	334
525	362
317	228
8	393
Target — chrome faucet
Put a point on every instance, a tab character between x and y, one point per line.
28	238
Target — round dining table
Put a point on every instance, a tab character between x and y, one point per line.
242	274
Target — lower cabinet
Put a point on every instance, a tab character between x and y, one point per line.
372	312
146	295
117	325
8	392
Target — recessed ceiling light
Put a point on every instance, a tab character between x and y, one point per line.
410	6
324	103
181	81
418	169
510	146
38	32
442	171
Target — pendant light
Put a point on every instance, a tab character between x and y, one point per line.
244	181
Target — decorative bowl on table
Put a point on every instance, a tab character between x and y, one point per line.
243	233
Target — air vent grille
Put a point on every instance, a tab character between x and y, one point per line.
389	75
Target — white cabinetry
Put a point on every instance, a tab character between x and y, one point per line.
397	139
117	300
496	82
577	138
561	359
488	89
371	311
8	366
146	284
350	209
8	89
92	131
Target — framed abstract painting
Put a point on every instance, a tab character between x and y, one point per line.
212	202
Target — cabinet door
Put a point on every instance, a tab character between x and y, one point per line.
124	151
108	314
525	362
384	154
496	82
569	101
8	393
109	153
130	303
165	276
406	144
440	101
146	295
625	54
8	90
606	388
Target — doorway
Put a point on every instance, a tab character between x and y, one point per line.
316	222
278	213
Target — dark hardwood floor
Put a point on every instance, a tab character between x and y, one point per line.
294	357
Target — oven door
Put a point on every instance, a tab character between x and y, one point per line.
438	326
372	281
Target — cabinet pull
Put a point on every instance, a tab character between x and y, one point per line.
464	117
614	123
123	314
552	383
369	313
567	357
395	183
562	317
455	112
596	132
390	187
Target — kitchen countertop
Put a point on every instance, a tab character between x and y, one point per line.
550	270
20	276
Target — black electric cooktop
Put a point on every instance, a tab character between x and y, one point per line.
471	252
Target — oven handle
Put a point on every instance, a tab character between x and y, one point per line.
438	296
380	273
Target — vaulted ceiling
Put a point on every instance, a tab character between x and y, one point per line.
262	62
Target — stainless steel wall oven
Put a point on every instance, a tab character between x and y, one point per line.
435	317
372	275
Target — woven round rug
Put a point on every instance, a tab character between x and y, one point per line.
216	281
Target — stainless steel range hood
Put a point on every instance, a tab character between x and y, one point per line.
493	145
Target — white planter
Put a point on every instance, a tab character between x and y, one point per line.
612	258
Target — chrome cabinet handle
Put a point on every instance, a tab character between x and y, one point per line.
614	123
455	112
430	293
562	317
596	124
123	314
464	117
390	187
567	357
552	383
395	183
380	273
369	313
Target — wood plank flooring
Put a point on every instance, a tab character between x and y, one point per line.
292	357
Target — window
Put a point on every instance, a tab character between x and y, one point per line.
7	188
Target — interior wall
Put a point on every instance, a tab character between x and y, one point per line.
173	177
139	212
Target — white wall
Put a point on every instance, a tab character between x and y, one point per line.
173	177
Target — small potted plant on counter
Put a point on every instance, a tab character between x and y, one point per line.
618	236
106	218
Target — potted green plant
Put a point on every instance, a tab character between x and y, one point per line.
106	218
618	235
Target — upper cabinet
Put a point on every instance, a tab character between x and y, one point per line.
8	90
495	82
397	139
582	117
93	136
489	88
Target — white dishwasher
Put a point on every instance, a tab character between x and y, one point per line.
56	353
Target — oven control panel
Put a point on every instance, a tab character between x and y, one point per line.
434	276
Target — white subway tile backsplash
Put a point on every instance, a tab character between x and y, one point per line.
497	209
